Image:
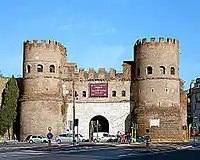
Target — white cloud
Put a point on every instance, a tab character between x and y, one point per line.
63	27
67	24
106	31
114	30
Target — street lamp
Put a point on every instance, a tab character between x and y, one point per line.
73	112
65	93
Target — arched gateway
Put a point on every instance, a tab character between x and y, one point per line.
98	124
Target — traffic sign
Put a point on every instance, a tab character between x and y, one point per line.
49	135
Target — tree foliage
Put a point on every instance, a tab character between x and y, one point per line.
182	84
8	110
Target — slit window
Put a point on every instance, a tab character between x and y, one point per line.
138	72
149	70
84	93
28	68
172	71
162	70
39	68
52	69
75	94
114	94
123	94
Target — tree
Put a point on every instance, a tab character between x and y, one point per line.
8	110
3	125
1	75
182	84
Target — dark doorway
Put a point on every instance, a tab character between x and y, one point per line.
100	122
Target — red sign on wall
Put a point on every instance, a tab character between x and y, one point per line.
99	90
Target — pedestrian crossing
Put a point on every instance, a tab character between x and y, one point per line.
22	154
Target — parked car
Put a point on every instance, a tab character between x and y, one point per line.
101	137
112	138
81	138
64	138
36	139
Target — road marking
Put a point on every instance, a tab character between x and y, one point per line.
86	150
130	154
25	154
128	149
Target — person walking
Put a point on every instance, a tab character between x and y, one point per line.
123	138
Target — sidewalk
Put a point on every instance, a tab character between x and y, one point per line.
66	146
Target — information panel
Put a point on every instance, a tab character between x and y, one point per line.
99	90
154	122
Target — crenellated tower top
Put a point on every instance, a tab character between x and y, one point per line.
44	45
153	41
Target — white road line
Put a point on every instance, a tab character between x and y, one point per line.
130	154
128	149
85	150
24	153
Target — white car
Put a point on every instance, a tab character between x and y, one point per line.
101	137
81	138
113	138
36	139
64	138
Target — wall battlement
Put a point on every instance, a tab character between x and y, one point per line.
100	74
160	40
44	45
92	73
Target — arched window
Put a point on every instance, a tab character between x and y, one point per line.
84	93
149	70
123	93
52	69
162	70
28	68
138	72
39	68
172	71
113	93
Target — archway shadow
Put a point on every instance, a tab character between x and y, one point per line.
98	124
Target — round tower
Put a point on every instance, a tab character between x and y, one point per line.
157	89
42	95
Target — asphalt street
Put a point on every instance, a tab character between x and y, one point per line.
99	152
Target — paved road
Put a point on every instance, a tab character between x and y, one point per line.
100	152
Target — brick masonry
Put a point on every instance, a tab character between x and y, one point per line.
154	96
157	95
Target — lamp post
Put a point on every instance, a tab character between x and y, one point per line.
73	112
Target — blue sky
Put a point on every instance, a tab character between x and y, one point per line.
99	33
